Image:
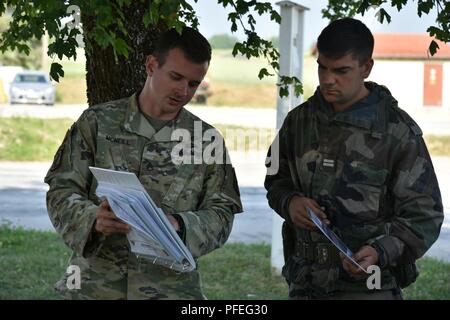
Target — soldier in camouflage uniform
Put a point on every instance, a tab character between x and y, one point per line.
135	134
359	162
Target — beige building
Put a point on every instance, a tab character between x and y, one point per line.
415	78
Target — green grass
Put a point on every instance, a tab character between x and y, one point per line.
238	70
32	261
245	139
433	281
438	145
30	139
239	271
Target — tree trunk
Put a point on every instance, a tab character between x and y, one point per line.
109	76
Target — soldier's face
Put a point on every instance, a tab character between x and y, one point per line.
342	80
173	84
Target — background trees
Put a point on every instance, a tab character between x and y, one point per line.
118	34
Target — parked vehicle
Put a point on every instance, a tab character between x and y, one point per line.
32	87
203	92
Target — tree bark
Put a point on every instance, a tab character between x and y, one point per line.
109	76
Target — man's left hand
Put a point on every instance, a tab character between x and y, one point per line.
366	256
173	221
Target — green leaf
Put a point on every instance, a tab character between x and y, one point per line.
238	47
56	71
424	7
433	47
275	16
121	47
298	89
399	4
263	73
23	48
284	91
102	37
436	32
147	18
382	14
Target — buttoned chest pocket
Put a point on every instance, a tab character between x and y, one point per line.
175	188
185	192
361	190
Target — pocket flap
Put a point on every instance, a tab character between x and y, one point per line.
178	185
357	172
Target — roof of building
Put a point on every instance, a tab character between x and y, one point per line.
407	46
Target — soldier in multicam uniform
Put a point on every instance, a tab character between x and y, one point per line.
135	134
359	162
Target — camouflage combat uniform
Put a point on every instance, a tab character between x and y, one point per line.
369	167
116	135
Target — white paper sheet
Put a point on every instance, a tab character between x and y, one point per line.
152	235
338	243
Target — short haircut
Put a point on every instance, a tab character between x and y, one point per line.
346	36
194	46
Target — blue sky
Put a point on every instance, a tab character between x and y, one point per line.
213	20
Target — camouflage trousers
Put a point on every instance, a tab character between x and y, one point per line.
138	279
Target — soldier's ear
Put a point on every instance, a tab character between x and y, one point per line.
367	68
150	64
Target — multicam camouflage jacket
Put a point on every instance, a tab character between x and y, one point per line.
369	167
116	135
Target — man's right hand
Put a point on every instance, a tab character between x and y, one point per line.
107	223
299	214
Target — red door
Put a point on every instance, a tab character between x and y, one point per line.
432	85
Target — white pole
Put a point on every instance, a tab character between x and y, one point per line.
44	57
291	64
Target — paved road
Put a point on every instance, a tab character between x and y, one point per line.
22	200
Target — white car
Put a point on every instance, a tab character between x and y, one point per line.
32	87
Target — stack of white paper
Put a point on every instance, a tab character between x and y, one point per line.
152	235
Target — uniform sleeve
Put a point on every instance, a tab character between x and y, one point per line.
418	211
278	183
69	179
209	227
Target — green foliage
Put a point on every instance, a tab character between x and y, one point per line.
275	41
27	25
337	9
254	45
30	19
56	71
32	60
222	41
32	261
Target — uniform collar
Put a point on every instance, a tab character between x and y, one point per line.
135	122
372	120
